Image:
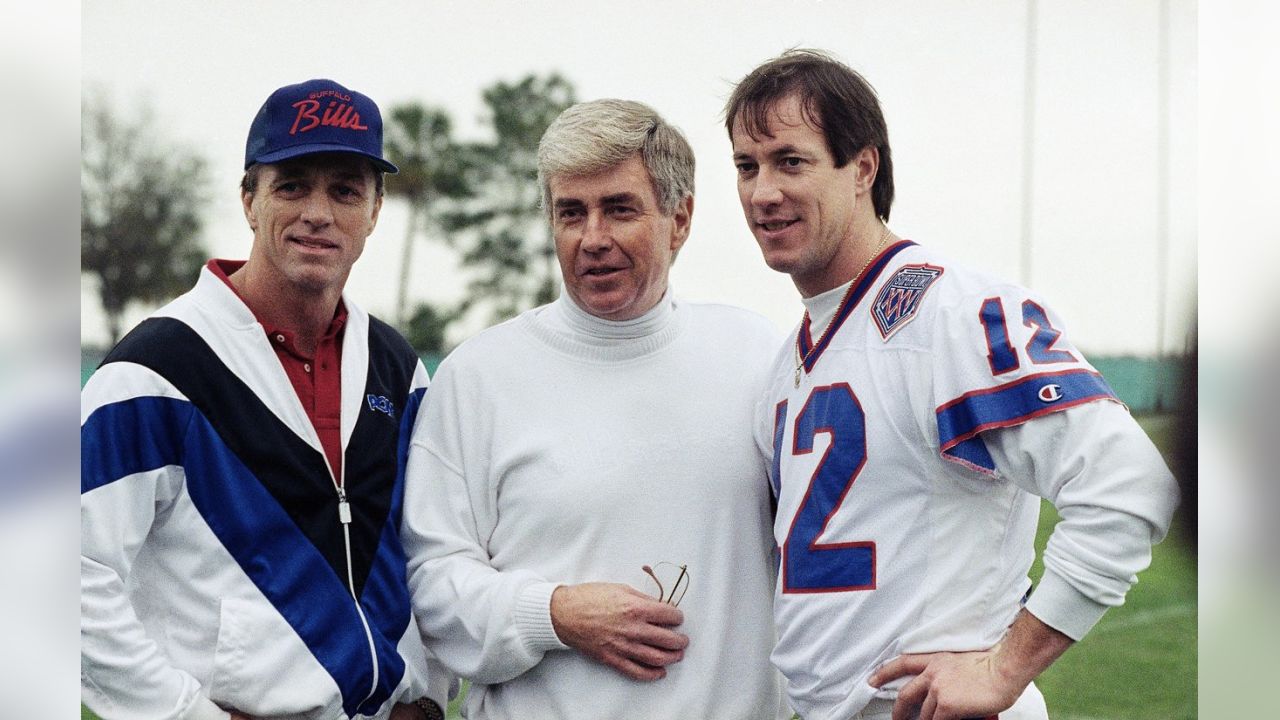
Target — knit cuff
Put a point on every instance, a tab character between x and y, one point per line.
1060	606
533	618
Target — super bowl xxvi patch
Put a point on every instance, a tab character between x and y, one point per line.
899	299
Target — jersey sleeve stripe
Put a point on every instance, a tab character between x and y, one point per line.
1016	402
973	454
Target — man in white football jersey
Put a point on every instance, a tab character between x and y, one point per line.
915	418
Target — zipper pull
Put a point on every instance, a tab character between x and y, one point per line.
344	507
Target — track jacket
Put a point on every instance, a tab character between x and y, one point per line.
221	565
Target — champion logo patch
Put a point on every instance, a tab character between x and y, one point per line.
1050	393
899	300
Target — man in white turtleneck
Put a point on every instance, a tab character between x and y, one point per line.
586	516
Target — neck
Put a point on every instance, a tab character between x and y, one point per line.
860	246
581	321
306	315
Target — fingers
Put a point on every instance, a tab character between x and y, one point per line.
911	696
660	637
635	670
929	709
654	657
639	661
653	610
899	667
619	626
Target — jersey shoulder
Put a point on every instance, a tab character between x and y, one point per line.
922	292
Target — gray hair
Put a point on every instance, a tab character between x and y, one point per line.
592	136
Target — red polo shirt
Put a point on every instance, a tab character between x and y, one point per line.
316	379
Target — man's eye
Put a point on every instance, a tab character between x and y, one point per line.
745	168
567	214
792	161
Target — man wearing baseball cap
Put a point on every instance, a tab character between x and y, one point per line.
241	462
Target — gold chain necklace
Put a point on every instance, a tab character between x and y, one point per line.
801	360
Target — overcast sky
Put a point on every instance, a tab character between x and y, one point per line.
951	77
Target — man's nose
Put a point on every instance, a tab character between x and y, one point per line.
317	211
766	190
596	237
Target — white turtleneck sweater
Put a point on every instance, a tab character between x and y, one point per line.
560	448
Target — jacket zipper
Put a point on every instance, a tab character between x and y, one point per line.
344	518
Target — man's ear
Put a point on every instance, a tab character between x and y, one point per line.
377	208
246	199
865	164
683	217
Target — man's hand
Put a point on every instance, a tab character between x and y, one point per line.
955	686
950	686
619	626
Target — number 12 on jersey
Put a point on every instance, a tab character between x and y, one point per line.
809	566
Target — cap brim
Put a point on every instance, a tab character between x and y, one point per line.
300	150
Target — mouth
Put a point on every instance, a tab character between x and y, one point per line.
601	271
313	243
776	225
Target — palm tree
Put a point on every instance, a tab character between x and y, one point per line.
419	141
141	210
511	252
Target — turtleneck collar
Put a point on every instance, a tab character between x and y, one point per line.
566	326
822	308
565	315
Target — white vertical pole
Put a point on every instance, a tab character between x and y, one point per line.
1028	141
1163	151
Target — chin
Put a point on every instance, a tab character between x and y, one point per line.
315	282
605	312
782	262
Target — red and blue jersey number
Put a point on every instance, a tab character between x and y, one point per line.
810	566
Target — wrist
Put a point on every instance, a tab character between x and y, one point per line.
1027	649
428	709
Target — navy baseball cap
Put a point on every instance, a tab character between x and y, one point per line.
314	117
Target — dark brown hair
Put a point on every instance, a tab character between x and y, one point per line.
835	99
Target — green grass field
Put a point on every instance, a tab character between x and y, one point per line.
1139	663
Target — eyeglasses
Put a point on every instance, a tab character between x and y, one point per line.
678	588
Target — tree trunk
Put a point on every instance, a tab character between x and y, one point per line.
406	260
113	327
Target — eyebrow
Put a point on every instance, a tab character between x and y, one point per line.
622	197
614	199
787	149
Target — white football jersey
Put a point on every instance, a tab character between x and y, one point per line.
896	530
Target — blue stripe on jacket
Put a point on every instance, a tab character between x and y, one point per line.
287	568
